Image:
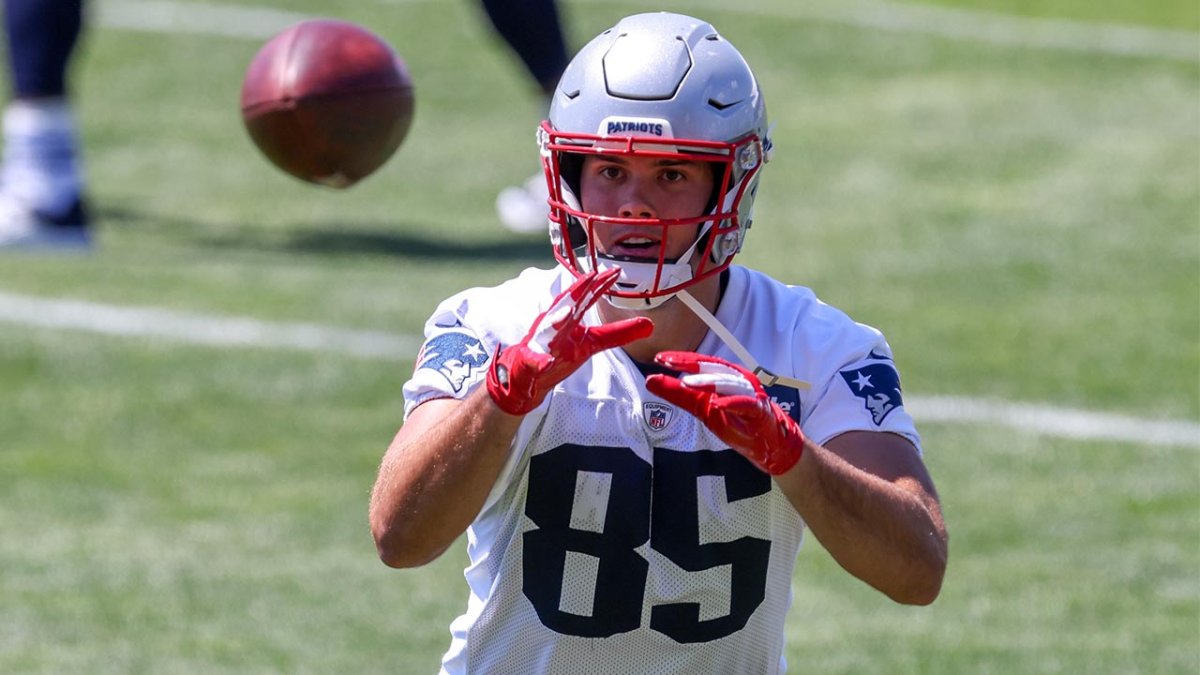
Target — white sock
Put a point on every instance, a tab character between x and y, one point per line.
41	168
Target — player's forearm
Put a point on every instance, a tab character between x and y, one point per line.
878	530
433	481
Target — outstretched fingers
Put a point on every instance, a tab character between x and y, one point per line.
618	333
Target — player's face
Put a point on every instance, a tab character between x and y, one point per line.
645	187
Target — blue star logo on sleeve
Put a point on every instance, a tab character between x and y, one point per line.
455	354
878	385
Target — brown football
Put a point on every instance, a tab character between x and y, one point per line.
327	101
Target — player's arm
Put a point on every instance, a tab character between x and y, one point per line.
868	498
436	475
866	495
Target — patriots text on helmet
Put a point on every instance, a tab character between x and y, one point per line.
623	127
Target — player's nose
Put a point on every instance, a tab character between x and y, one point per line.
635	202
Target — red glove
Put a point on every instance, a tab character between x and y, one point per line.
732	402
557	344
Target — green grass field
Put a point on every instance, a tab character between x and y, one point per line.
1023	222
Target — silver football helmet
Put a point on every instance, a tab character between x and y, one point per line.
661	85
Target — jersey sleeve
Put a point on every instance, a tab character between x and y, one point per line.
454	358
862	393
464	332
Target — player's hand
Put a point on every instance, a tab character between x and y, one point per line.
557	344
732	402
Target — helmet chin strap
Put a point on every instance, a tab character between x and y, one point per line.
765	376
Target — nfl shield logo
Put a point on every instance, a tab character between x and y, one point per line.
657	415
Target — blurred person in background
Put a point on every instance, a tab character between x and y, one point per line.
534	31
41	181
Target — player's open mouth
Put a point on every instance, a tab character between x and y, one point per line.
637	247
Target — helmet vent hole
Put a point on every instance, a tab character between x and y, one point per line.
722	106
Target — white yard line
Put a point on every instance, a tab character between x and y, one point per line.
248	21
200	18
225	331
203	329
1054	421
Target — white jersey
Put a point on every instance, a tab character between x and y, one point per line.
622	535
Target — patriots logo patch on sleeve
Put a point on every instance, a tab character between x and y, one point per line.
878	385
455	354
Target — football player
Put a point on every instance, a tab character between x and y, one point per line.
41	184
654	428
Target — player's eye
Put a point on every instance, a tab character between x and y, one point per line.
609	171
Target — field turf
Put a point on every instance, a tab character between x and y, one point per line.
1022	221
